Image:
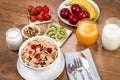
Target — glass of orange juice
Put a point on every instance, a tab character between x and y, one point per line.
87	32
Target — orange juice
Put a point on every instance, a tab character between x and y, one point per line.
87	32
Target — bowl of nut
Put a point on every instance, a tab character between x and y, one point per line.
39	52
30	30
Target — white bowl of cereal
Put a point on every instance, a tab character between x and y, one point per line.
30	30
39	52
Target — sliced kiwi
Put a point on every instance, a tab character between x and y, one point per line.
52	35
50	30
52	26
56	32
59	38
62	32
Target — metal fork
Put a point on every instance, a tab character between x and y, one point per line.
78	66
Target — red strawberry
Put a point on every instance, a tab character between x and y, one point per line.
37	56
33	18
35	12
40	17
46	17
38	9
30	9
33	46
45	9
49	50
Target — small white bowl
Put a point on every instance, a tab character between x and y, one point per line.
31	25
33	38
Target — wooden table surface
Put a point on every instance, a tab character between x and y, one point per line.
13	14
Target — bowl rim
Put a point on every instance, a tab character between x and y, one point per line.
29	40
32	26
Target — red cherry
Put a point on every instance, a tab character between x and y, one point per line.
73	19
83	14
75	8
64	13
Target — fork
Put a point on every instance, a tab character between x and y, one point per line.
78	66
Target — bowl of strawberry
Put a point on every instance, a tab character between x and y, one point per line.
39	53
39	14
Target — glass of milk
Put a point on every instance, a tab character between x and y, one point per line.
14	38
111	34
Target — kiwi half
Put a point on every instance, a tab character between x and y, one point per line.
59	38
62	32
50	30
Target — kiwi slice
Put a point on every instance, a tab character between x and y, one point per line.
59	38
62	32
52	35
50	30
52	26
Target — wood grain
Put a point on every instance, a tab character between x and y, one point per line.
13	14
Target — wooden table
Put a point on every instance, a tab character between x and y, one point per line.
13	14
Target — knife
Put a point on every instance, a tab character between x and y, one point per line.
86	65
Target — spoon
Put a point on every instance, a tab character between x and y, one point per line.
71	70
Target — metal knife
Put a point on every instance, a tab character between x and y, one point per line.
86	65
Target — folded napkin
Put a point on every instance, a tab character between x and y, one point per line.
69	56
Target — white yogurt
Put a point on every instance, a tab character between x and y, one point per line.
111	37
14	38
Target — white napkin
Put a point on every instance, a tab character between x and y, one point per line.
69	56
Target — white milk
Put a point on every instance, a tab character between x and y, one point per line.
111	37
14	38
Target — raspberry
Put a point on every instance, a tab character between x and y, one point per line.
37	56
49	50
30	52
33	46
42	63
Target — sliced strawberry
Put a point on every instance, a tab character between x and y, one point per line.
37	56
46	17
41	48
30	9
40	17
49	50
45	9
33	18
33	46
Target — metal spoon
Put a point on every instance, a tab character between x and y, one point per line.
71	70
